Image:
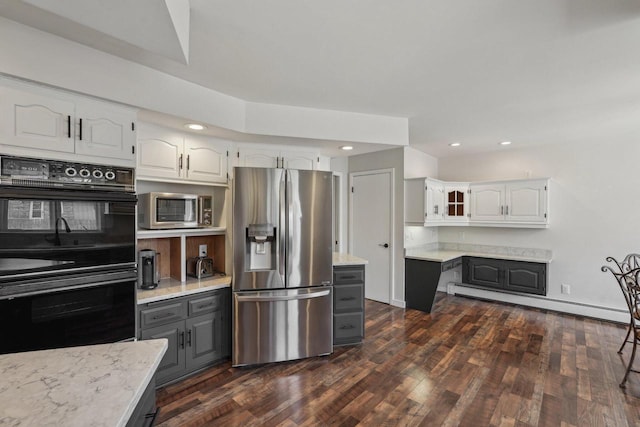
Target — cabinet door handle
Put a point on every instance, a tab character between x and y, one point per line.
435	209
506	210
163	315
347	298
69	126
347	327
501	210
180	162
80	129
189	337
182	339
188	156
201	306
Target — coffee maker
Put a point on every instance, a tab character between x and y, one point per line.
148	269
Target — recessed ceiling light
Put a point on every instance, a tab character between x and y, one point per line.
347	147
195	126
505	143
455	144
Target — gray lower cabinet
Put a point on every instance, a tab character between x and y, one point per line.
146	411
348	304
516	276
197	328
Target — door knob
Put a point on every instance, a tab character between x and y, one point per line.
384	245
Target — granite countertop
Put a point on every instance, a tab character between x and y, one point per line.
96	385
443	255
347	259
171	288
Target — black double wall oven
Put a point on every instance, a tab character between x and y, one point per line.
67	254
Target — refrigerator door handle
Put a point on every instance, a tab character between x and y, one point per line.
259	297
282	232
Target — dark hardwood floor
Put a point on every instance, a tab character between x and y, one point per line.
469	363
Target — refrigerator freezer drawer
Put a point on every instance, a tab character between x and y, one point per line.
288	324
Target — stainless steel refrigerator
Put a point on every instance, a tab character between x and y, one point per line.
282	265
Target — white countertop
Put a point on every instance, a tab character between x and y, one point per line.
96	385
171	288
447	255
347	259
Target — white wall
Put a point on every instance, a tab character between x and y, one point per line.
390	159
594	213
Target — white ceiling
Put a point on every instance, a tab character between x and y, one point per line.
477	72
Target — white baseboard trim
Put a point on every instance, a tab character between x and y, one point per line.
604	313
398	303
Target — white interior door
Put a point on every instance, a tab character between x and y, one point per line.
371	202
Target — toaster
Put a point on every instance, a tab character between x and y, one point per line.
200	267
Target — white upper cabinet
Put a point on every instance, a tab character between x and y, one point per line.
522	203
434	201
36	121
171	155
280	157
105	131
34	118
258	157
456	202
414	200
206	159
515	202
487	202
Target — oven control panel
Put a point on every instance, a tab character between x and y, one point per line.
56	173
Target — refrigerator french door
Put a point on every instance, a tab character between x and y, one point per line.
282	275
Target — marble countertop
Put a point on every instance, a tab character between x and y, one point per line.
447	255
96	385
171	288
347	259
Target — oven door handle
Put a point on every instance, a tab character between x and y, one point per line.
14	192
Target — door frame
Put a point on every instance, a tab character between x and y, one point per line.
392	220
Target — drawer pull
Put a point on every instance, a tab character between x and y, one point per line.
347	298
347	327
348	277
163	316
201	306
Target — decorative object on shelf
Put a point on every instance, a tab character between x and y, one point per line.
626	274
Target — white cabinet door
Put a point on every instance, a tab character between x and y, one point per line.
159	153
299	160
37	121
526	201
206	159
324	163
456	202
434	201
487	202
414	200
105	131
258	158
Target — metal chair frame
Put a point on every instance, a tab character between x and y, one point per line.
627	274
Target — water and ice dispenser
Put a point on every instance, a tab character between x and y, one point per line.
260	247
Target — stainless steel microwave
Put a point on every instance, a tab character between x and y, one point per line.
167	210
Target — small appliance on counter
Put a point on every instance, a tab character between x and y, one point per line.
200	267
148	269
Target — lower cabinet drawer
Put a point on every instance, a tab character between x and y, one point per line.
348	298
348	327
165	313
205	305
